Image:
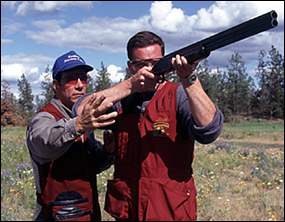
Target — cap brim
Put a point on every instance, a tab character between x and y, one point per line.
87	68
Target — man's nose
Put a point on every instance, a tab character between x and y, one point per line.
79	83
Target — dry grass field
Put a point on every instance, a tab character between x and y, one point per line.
239	177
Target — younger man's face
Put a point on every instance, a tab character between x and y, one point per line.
146	56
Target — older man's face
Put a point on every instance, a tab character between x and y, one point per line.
72	85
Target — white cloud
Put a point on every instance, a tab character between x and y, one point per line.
6	41
48	6
93	73
13	66
12	72
52	25
164	17
33	66
227	13
116	73
23	8
9	28
45	6
34	70
104	34
9	4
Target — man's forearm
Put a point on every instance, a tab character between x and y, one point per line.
118	91
202	107
112	94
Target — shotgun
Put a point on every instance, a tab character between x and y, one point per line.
203	48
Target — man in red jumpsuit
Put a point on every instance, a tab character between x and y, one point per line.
155	132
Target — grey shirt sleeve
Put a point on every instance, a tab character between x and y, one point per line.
189	128
48	139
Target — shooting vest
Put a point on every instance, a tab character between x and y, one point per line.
68	184
153	173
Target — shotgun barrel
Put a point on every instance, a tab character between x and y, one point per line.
203	48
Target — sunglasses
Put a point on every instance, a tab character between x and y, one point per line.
72	79
144	62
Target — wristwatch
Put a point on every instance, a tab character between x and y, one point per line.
190	79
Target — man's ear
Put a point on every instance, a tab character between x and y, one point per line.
55	85
131	67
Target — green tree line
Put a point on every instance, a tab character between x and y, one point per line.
234	91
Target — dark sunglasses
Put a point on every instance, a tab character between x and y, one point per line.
144	62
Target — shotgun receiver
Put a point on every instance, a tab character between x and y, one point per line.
203	48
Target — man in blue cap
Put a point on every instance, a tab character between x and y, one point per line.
65	156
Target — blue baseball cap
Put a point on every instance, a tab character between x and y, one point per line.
68	61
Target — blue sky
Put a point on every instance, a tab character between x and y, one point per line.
34	34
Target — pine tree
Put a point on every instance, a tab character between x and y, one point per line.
38	103
5	91
239	86
270	95
25	97
102	80
261	102
276	67
221	93
272	84
216	87
90	85
203	73
47	88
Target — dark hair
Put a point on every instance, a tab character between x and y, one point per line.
143	39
